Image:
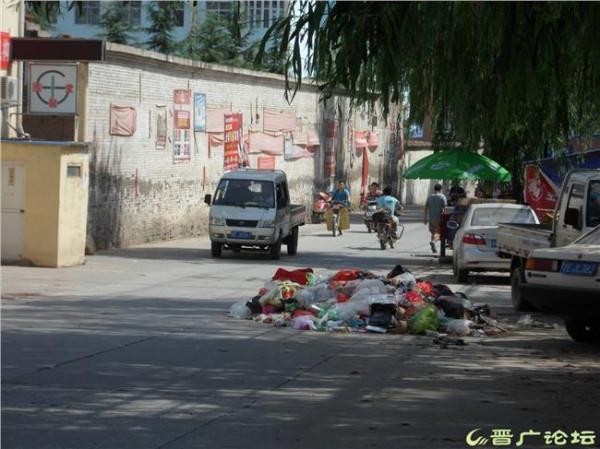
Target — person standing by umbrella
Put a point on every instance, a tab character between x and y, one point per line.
433	212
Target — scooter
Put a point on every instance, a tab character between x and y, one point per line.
384	226
320	206
370	208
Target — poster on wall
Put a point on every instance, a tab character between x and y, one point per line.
52	89
233	141
181	144
181	119
199	112
182	96
161	127
4	50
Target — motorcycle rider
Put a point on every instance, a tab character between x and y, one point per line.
374	191
391	203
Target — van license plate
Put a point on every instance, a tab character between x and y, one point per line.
493	243
579	268
241	235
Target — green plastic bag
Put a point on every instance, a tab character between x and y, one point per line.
424	320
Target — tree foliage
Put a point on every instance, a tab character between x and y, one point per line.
519	73
162	21
115	23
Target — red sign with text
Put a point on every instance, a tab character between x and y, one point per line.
4	50
540	193
233	140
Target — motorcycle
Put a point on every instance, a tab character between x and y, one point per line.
320	206
370	208
384	226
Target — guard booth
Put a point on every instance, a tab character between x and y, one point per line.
44	202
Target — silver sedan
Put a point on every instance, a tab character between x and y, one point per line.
475	239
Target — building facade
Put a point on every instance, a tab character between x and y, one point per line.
84	21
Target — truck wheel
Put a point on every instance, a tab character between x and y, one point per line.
462	275
215	249
519	302
292	245
275	250
582	330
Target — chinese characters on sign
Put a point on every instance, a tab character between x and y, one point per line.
4	50
181	123
330	139
233	140
53	89
550	438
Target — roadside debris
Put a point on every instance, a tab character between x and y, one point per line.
354	300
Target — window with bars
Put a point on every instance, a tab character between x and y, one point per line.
87	13
134	13
221	10
180	14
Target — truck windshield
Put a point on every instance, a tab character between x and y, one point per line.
593	204
245	193
492	216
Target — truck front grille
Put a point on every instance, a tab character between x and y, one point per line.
242	223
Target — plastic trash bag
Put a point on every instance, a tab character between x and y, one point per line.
405	281
304	323
373	286
349	310
460	328
240	310
306	297
424	320
322	292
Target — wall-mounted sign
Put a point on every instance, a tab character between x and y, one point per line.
182	96
233	141
161	127
181	119
53	89
199	112
4	50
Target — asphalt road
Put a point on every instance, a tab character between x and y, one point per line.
134	350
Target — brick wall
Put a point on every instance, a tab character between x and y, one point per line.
139	193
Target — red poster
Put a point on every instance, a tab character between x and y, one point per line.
4	50
331	134
233	141
182	96
540	193
266	162
181	119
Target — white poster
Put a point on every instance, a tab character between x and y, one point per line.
53	88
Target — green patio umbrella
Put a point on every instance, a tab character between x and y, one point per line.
456	164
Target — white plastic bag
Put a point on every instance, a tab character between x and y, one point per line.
240	310
373	286
306	297
460	328
304	323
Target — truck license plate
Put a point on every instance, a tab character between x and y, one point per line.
241	235
579	268
493	243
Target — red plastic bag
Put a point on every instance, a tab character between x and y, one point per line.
298	276
425	287
414	298
300	312
342	297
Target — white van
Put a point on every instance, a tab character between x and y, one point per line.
251	210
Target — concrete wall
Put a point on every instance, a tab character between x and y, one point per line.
55	205
416	191
10	14
140	194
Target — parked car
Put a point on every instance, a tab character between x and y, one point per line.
475	239
577	211
251	209
566	281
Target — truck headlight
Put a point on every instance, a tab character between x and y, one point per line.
266	224
217	221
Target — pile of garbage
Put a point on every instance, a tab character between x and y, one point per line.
354	300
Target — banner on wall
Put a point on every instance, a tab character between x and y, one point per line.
330	135
182	96
232	141
161	127
199	112
266	162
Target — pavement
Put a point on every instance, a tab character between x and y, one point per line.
134	349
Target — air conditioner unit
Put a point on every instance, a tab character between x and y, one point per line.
9	89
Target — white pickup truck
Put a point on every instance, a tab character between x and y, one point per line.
251	209
577	212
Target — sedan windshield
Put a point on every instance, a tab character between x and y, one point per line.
492	216
245	193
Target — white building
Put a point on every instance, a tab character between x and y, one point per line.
83	21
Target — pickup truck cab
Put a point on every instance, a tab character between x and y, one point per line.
577	212
251	209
